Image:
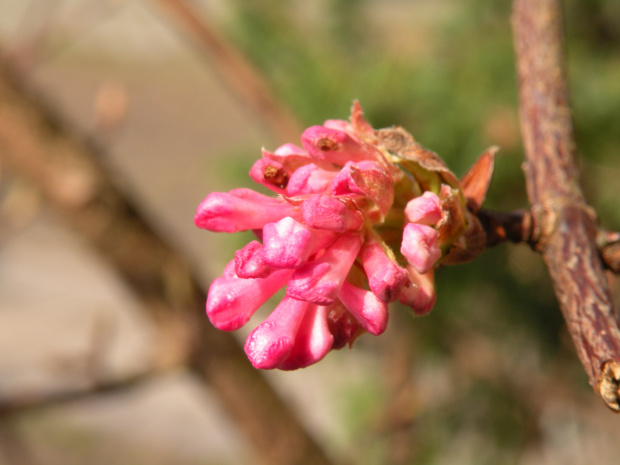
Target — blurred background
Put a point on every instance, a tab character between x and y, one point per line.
489	377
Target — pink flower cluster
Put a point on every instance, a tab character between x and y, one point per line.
335	235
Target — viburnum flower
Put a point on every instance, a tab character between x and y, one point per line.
360	219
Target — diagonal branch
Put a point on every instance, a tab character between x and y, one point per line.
235	71
37	144
565	228
30	401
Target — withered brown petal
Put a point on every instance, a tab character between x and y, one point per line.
453	220
400	143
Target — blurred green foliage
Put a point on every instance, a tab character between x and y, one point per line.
445	71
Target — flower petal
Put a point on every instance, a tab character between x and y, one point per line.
290	156
249	262
425	209
310	179
271	174
385	277
232	301
289	244
336	146
312	342
329	213
419	293
290	150
420	246
320	281
240	210
343	183
371	313
269	344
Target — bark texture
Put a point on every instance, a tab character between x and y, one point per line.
565	228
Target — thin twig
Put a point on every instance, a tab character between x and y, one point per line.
237	73
565	227
514	226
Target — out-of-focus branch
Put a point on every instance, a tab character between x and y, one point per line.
171	354
565	229
29	401
236	72
38	145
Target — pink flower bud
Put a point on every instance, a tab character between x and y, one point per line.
312	342
289	244
310	179
329	213
420	246
385	278
240	210
320	281
249	262
232	301
419	293
425	209
271	174
371	313
269	344
335	146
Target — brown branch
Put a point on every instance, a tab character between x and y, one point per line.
236	72
37	144
172	354
38	400
565	227
514	226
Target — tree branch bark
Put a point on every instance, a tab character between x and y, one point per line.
565	229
